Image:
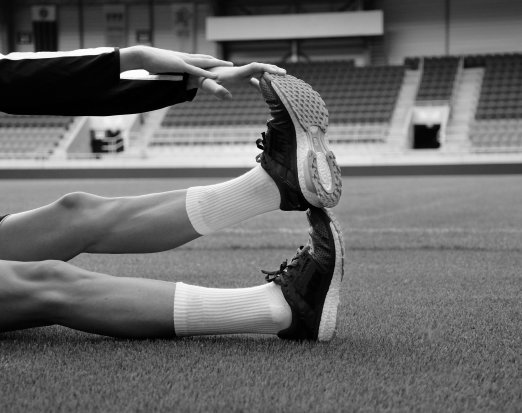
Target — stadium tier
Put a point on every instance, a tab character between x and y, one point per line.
501	93
438	78
360	99
31	135
498	119
352	95
362	102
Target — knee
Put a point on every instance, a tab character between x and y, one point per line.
47	273
84	213
42	289
51	284
78	201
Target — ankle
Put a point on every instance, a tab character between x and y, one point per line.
281	311
214	207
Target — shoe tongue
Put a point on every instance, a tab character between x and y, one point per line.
302	250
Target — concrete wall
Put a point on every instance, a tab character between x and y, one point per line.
178	26
424	28
485	25
411	27
23	23
4	10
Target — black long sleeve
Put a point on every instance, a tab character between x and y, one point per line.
82	82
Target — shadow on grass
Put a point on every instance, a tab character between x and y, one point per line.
346	349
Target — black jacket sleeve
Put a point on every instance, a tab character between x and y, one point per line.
82	82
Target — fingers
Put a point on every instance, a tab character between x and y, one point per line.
197	71
205	56
219	62
212	59
211	86
258	69
204	62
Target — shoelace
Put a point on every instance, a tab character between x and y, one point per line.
277	275
261	143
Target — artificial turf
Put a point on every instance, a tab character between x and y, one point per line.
430	318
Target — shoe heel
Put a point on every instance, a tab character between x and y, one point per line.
324	178
329	318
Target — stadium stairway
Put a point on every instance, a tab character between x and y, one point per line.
140	137
464	105
68	137
398	132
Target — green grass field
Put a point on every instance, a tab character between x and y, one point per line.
430	319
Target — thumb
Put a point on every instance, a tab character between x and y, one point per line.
211	86
255	83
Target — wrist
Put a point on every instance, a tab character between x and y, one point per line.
193	82
131	58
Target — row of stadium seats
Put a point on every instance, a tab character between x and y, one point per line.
368	95
501	93
358	94
352	94
496	141
42	148
438	77
366	132
24	121
31	135
497	134
471	61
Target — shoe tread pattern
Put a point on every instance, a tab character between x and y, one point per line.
310	110
329	315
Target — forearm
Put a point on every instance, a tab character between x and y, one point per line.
135	57
83	82
53	82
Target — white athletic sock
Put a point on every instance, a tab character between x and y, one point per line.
213	207
211	311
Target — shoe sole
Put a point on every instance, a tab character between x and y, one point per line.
318	173
328	323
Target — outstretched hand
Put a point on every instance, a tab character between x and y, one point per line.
227	76
205	72
155	60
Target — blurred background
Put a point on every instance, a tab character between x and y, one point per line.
406	82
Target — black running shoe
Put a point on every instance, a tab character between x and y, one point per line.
295	150
311	281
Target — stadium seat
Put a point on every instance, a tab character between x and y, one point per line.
22	135
438	77
501	93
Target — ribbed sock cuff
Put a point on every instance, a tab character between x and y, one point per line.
213	207
204	311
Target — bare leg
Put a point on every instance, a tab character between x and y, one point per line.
81	222
36	294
